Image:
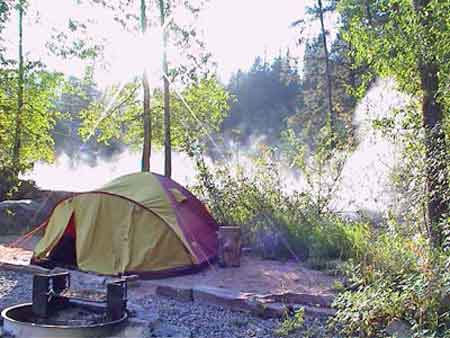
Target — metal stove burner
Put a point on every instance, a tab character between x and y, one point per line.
53	303
52	293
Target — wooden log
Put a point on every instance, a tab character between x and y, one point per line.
229	246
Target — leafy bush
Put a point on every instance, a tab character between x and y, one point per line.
291	324
274	222
397	279
11	187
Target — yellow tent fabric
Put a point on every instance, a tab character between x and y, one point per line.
145	189
55	229
114	235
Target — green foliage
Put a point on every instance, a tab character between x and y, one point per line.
5	8
266	96
79	97
321	166
399	276
38	116
312	115
291	324
396	278
196	111
27	110
274	222
393	40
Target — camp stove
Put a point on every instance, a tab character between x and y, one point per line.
59	311
52	293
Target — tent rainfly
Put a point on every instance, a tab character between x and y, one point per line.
141	223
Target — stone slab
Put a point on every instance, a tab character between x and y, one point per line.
266	306
317	312
23	268
267	310
175	292
224	297
300	298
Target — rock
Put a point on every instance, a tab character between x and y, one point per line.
316	312
399	328
301	298
19	216
47	200
227	298
267	310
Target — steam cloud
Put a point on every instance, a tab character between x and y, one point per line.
365	183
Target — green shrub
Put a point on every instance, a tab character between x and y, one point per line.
277	224
11	187
397	279
291	323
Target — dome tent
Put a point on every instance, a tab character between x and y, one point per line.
141	223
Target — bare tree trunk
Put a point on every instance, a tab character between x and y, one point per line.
368	12
165	69
331	116
147	147
20	90
436	153
436	169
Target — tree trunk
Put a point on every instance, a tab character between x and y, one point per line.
20	90
165	69
147	147
436	169
436	153
368	12
331	117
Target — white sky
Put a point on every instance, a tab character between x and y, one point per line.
235	31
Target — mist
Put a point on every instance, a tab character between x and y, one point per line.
83	176
364	186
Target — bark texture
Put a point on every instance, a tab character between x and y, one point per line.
327	66
147	146
436	161
20	93
165	69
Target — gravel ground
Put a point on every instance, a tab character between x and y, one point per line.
14	288
203	321
209	321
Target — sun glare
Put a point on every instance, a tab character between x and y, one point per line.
132	54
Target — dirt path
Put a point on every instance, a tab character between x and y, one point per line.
255	275
259	276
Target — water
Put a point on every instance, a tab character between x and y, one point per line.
63	175
365	183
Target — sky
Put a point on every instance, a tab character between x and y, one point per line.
235	32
